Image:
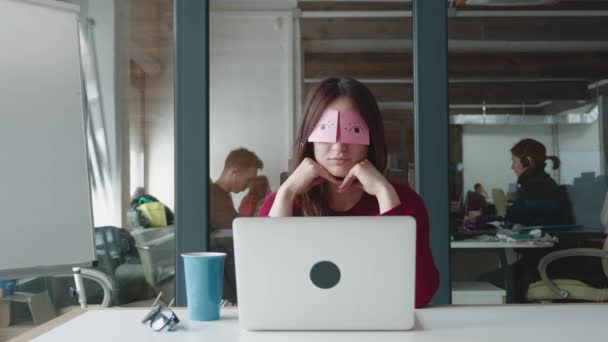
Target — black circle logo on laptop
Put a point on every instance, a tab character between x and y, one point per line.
325	274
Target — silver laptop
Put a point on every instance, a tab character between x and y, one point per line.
325	273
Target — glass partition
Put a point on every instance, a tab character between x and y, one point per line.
527	160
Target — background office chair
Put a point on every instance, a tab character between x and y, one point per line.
118	259
156	247
555	289
500	202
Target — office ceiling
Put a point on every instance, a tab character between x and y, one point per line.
524	55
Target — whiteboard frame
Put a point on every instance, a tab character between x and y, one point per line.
41	271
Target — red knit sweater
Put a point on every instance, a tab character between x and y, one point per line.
427	276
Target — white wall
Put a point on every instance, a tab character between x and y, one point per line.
160	137
579	150
136	140
251	92
487	156
250	101
107	207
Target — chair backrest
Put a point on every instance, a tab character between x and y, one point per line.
500	201
604	214
604	221
107	248
605	260
156	248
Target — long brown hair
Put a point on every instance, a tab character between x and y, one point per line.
533	155
259	187
315	202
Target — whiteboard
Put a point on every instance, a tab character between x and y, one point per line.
45	206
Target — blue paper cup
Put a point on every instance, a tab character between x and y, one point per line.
7	287
204	273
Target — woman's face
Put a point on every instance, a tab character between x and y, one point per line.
516	165
338	158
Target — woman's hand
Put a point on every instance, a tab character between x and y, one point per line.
306	176
370	179
373	182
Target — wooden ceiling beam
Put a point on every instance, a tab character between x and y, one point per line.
354	6
407	5
477	93
585	65
495	28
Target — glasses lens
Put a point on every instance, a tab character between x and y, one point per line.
159	322
153	312
166	317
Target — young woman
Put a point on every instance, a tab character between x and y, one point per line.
259	188
540	201
339	158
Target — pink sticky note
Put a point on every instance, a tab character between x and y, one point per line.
326	130
346	127
353	129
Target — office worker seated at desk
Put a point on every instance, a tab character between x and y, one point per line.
481	191
475	210
476	200
339	157
539	201
259	188
240	167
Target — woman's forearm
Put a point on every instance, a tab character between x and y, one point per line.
283	204
387	198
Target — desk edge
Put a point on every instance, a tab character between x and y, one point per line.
48	326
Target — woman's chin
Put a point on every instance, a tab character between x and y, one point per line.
338	171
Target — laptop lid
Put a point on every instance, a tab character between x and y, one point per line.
325	273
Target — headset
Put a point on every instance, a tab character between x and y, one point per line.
525	161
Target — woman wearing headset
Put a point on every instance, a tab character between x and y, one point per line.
540	201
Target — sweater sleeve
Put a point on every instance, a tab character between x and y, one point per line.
267	205
247	206
427	276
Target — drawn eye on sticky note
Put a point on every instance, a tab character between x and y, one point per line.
346	127
353	129
326	130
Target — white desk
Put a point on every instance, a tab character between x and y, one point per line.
506	323
500	244
505	250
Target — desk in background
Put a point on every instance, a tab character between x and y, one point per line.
501	244
505	250
506	323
